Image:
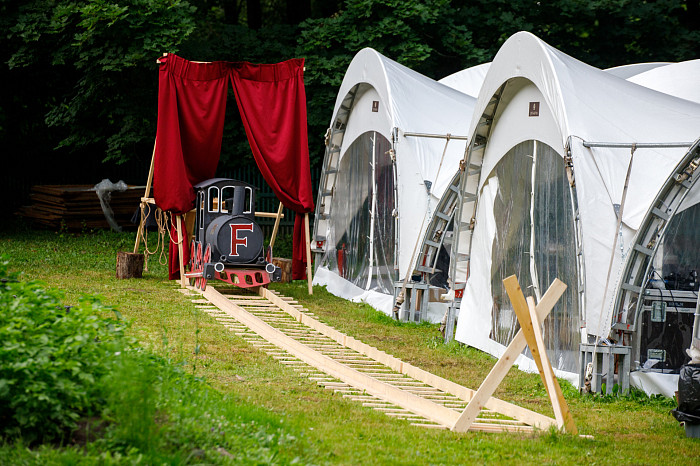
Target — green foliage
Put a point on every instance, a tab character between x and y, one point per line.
51	357
602	33
104	55
422	35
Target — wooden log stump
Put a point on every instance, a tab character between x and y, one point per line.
129	265
286	266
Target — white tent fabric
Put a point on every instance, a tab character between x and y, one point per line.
628	71
578	103
676	79
408	102
467	81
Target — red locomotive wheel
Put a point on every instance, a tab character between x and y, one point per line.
192	262
206	259
198	266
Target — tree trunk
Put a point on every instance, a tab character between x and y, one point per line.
286	266
129	265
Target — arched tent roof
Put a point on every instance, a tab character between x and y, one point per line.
413	103
676	79
579	104
628	71
407	102
467	81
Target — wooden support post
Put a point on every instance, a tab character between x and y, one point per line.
503	365
181	252
308	253
533	336
276	227
149	181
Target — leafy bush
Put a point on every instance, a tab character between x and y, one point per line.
50	358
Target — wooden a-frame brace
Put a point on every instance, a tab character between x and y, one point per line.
530	316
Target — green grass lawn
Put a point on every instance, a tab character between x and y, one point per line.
329	428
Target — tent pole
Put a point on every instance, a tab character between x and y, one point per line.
276	227
533	265
149	181
372	211
308	253
617	233
436	136
637	145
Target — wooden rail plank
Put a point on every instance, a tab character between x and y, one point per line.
516	412
414	403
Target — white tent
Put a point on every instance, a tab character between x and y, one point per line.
676	79
534	130
383	175
467	81
628	71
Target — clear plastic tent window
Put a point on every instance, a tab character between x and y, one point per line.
361	239
534	239
680	253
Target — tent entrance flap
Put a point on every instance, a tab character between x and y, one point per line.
360	238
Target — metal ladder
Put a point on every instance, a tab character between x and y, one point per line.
469	185
466	199
331	161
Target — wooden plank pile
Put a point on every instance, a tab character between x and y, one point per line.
77	207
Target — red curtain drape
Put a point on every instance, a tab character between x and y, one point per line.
191	109
272	102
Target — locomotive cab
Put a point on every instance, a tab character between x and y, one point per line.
227	240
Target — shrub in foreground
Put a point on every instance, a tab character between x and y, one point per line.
50	358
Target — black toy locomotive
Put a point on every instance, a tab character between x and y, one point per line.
228	244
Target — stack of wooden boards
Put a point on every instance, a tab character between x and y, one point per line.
76	207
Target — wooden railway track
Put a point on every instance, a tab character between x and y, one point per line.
295	337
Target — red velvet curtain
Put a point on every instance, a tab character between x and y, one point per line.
272	103
191	108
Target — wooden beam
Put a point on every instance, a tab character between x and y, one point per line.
522	311
149	181
268	214
504	363
516	412
308	253
277	225
561	408
180	251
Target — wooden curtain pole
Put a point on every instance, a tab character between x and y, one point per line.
308	253
277	225
146	195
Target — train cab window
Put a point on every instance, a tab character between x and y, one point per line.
249	199
227	199
213	197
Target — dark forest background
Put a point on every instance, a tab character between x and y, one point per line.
79	78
